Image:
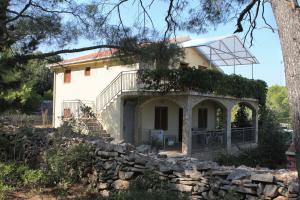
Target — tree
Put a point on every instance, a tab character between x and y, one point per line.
92	21
277	101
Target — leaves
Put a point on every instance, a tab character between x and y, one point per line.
204	81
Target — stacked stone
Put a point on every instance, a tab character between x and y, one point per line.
117	164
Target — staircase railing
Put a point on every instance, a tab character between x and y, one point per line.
73	107
124	81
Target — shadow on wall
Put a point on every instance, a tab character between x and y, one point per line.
110	119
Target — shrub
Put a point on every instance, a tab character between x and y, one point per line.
13	175
67	165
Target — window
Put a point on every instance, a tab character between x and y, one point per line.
67	76
87	71
202	118
161	118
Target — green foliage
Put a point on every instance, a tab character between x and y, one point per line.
67	165
242	117
23	84
147	187
271	148
203	80
277	101
13	175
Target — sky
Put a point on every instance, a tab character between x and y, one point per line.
266	45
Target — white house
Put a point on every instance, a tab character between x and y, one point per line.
189	121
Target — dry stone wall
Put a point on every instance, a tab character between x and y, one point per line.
117	164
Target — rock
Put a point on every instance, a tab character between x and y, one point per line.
251	197
200	189
104	193
102	186
144	148
267	178
125	175
120	184
108	165
283	191
260	189
240	189
281	198
194	174
221	172
181	188
293	188
238	174
270	190
106	154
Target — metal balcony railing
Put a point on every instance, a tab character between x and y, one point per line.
124	81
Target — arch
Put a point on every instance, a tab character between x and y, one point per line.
217	101
160	98
209	114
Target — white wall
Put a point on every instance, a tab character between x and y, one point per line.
148	116
83	87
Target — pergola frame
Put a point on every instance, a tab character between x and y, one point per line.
223	51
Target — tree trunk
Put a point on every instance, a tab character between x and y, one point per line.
287	15
3	17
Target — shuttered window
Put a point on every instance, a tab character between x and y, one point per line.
67	76
161	118
202	118
87	71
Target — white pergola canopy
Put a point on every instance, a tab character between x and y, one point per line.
223	51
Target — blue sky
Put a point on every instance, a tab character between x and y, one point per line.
266	45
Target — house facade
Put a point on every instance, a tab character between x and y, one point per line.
188	121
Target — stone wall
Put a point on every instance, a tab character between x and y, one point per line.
117	164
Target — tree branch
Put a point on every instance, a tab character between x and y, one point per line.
53	53
20	13
242	16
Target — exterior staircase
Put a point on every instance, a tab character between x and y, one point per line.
125	81
95	127
85	121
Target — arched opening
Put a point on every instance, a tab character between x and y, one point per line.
161	123
243	123
208	125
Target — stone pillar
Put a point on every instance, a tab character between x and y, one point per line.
187	128
137	127
255	124
228	129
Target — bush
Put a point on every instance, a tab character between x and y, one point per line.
67	165
13	175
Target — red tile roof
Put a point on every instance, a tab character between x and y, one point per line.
109	52
99	54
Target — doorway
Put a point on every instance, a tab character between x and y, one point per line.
129	121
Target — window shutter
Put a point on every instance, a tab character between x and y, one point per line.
164	118
202	118
67	76
87	71
161	118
